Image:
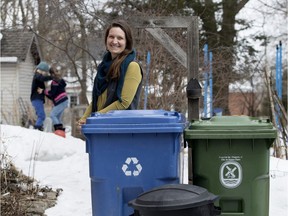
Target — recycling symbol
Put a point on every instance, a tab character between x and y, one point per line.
132	167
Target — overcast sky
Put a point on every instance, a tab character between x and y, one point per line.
273	24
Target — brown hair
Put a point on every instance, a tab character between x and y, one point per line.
55	73
114	71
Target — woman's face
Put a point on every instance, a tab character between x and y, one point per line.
116	41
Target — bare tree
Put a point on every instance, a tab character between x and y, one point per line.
66	29
67	42
18	13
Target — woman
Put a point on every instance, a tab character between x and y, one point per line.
117	84
59	97
38	99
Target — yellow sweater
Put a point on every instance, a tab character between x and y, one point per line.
132	80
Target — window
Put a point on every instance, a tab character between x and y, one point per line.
73	100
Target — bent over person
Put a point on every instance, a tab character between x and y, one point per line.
118	82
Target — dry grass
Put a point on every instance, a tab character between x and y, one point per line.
21	195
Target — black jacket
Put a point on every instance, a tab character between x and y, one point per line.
38	82
57	93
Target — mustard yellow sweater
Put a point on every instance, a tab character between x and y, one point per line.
131	82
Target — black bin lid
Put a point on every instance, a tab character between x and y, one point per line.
173	197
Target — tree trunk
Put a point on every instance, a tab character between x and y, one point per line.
221	42
42	29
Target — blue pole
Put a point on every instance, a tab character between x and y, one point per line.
280	71
211	82
277	84
205	79
277	69
278	81
147	80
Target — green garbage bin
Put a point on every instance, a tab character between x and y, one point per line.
230	158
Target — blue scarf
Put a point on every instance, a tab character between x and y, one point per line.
101	81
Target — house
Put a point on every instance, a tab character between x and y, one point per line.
244	103
19	56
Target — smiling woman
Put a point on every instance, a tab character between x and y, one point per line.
116	41
118	82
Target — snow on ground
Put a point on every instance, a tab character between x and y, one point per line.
63	163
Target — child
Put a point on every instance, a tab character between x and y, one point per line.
59	97
38	98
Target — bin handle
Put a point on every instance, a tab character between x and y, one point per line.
95	114
180	117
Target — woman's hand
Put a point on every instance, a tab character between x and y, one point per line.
81	122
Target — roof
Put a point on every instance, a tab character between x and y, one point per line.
16	43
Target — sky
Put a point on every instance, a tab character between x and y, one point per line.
59	162
266	20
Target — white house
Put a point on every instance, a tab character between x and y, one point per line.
19	56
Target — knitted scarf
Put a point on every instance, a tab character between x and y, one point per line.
101	82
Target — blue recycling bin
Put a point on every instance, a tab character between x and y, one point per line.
131	151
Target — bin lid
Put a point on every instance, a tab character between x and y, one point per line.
231	127
173	197
135	121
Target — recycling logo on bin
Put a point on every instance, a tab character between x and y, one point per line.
230	174
132	167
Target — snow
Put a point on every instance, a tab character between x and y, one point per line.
55	162
63	163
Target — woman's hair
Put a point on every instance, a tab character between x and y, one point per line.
114	71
